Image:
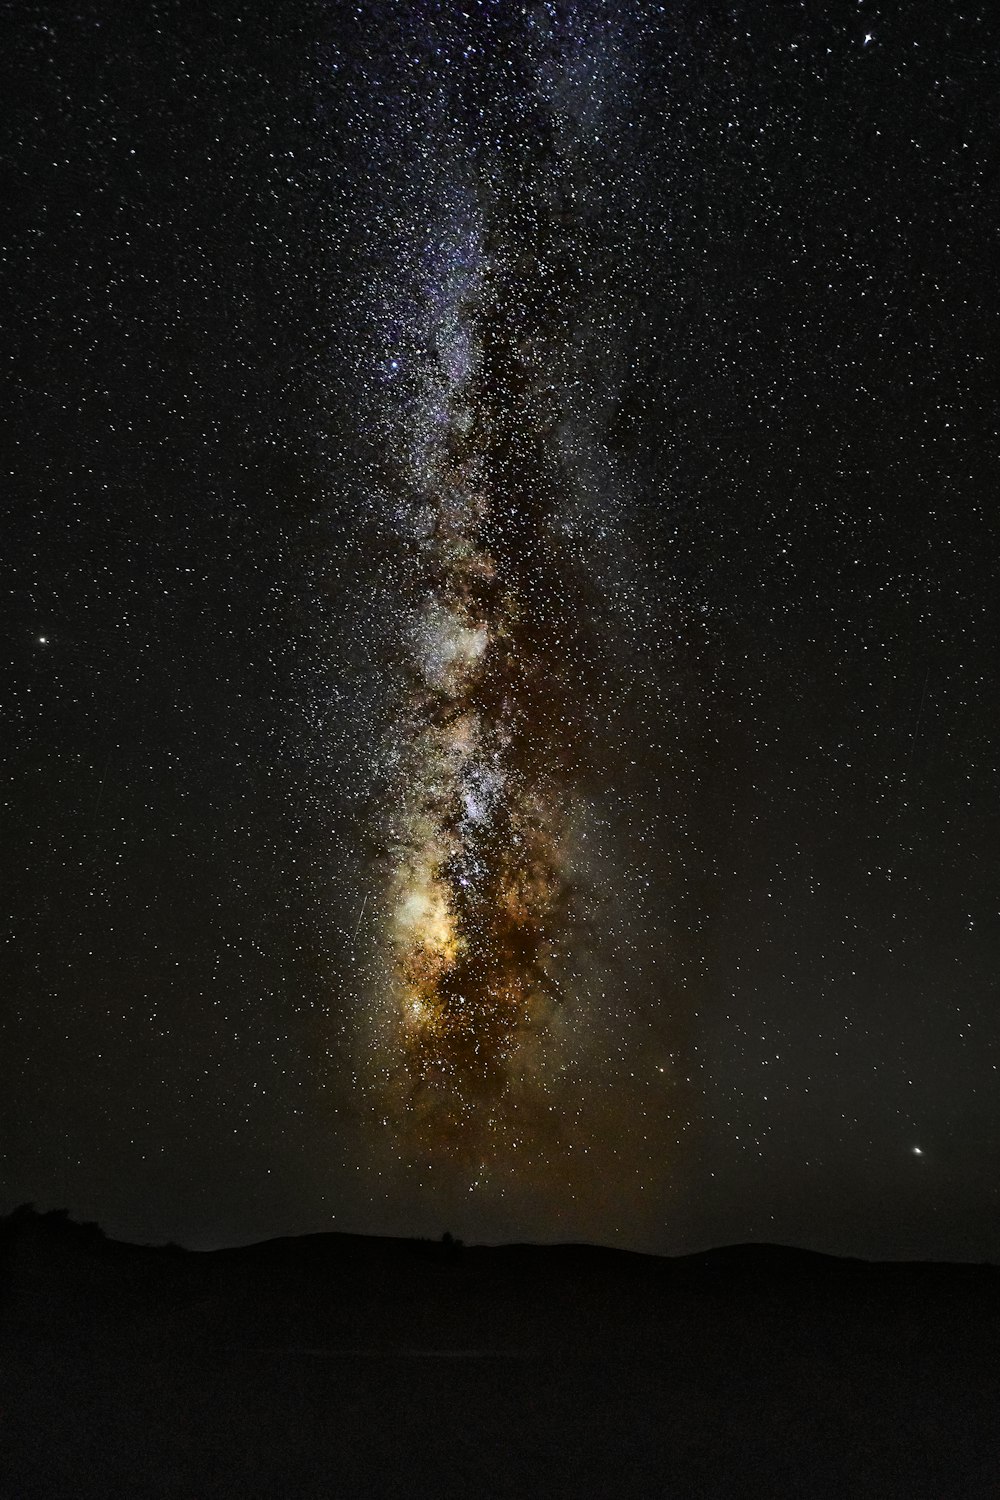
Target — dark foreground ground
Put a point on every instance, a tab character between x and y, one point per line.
341	1366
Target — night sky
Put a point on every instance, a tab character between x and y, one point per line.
500	675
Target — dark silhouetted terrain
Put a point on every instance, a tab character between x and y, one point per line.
335	1365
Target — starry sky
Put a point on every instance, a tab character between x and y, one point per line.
499	622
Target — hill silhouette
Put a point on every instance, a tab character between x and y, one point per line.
347	1365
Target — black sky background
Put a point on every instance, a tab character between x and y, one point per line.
809	426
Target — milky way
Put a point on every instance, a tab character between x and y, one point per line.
502	684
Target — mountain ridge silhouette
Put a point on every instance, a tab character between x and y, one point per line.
357	1365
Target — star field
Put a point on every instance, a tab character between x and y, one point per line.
608	391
